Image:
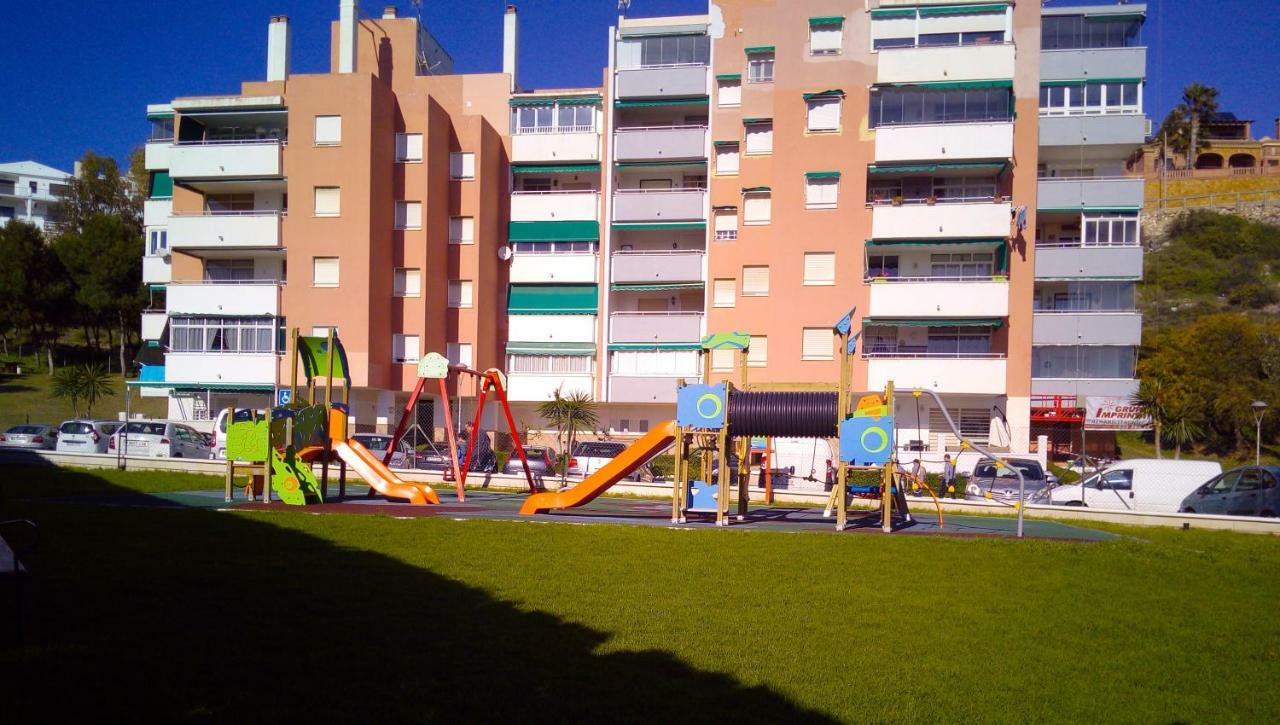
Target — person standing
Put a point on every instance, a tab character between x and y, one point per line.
918	474
482	451
948	475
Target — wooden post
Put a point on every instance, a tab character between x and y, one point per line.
886	496
744	476
842	410
722	479
677	485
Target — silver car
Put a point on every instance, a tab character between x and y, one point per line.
993	482
159	439
85	436
30	435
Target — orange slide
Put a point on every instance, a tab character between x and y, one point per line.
626	463
379	476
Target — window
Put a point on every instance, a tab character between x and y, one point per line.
7	212
1081	98
974	424
408	147
228	270
553	118
664	50
328	130
722	292
550	364
553	247
726	225
575	117
404	349
157	242
760	68
462	166
460	293
962	265
758	352
408	215
824	114
757	207
879	265
215	203
815	344
323	330
328	201
821	192
729	92
819	269
914	105
1111	230
755	281
1093	297
660	363
722	361
324	272
959	341
459	353
226	334
826	37
1071	32
407	282
462	230
1083	361
161	129
726	158
760	138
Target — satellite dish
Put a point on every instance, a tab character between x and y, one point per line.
504	253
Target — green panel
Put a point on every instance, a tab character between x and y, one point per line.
750	121
962	9
824	94
623	287
928	168
728	76
929	242
747	189
655	346
1061	83
161	185
533	101
314	352
574	231
1002	259
248	440
696	100
577	349
556	169
553	299
937	322
822	175
661	225
894	13
958	85
1118	16
724	143
157	287
758	49
1115	80
727	341
826	20
658	164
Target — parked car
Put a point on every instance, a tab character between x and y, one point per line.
86	436
159	439
541	462
30	435
992	482
590	456
1243	491
799	463
378	444
1139	484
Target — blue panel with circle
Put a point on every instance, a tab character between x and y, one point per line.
701	406
866	441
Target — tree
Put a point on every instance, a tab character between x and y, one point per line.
1151	399
104	261
1180	130
100	188
95	384
67	385
35	293
568	415
1181	428
1174	134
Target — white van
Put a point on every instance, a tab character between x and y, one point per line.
800	463
1140	484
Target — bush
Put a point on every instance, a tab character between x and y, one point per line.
663	466
1253	295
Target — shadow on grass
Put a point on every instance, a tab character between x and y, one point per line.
8	387
165	615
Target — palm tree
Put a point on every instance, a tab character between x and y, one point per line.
67	385
1181	428
568	415
1151	399
95	384
1200	103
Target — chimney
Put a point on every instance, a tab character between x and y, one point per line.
1277	136
389	12
510	45
347	36
278	51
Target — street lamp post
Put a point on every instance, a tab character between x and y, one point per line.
1259	410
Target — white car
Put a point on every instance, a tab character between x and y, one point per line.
160	439
1140	484
86	436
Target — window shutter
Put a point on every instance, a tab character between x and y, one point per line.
755	281
816	344
893	28
820	268
459	353
723	360
826	38
729	93
328	130
824	114
727	159
324	271
760	138
722	292
407	283
328	201
462	165
462	229
404	348
726	224
460	293
408	147
757	208
965	23
821	192
408	215
758	353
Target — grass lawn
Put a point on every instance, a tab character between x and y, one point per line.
165	615
29	398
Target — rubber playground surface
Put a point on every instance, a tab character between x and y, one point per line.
495	505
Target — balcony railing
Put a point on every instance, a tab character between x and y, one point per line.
878	279
663	265
225	229
659	205
559	205
912	352
655	326
660	142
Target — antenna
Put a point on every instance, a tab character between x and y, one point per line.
624	5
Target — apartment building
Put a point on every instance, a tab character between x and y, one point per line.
764	167
28	192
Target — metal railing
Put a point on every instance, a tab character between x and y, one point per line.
233	141
184	283
990	277
677	190
924	200
231	213
634	129
910	354
1264	198
552	130
660	252
1080	244
519	192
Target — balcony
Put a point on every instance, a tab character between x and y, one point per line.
945	142
660	144
529	148
250	159
975	375
1079	193
156	155
552	328
1087	328
156	270
221	367
555	206
155	212
949	63
655	327
229	299
676	81
540	387
636	389
1078	64
1104	135
657	267
1080	262
557	267
153	323
925	297
225	230
941	221
648	205
1104	387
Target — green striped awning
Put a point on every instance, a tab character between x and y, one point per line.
824	94
724	143
886	13
573	231
157	287
826	20
962	9
752	121
556	169
822	175
749	189
1099	209
553	299
750	50
201	387
621	287
934	322
657	164
654	346
931	242
694	100
1099	17
660	225
551	100
579	349
956	85
728	76
996	166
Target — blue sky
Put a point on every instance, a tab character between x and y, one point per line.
80	74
